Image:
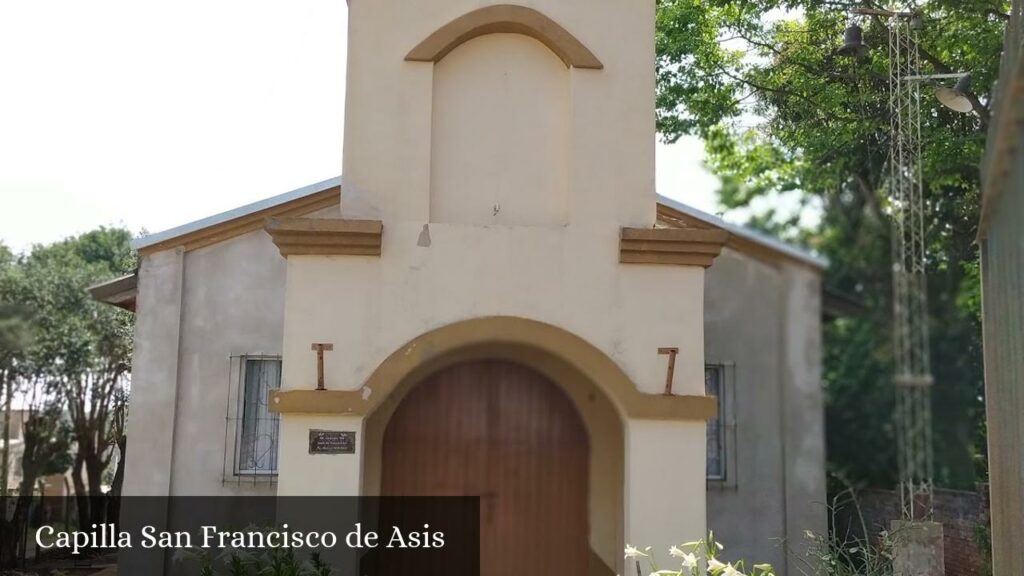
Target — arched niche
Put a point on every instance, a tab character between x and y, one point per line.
500	134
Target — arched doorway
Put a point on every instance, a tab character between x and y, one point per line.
503	431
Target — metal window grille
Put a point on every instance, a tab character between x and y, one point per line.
249	421
714	386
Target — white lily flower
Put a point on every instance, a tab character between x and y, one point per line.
731	571
714	565
675	552
633	552
689	560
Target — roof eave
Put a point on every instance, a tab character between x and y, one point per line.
777	246
152	240
119	292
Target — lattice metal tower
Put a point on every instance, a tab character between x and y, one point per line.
912	362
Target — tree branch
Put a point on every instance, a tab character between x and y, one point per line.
868	193
762	88
807	68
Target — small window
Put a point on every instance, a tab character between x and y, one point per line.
714	385
257	430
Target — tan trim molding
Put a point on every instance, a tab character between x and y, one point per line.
328	236
685	246
505	18
557	353
314	401
248	223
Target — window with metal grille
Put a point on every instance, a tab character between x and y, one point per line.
714	385
257	427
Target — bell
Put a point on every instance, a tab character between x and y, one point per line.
853	42
955	98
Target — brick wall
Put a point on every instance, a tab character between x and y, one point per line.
960	513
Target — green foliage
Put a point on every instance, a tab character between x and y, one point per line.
15	331
75	333
79	352
845	551
983	539
786	119
317	566
263	562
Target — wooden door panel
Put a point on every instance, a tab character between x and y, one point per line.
504	432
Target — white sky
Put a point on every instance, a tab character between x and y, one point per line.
151	115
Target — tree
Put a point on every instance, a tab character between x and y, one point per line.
15	338
95	353
83	348
45	436
786	119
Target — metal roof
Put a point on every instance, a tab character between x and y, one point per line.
239	212
747	233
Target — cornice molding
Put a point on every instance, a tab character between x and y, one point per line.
679	246
325	236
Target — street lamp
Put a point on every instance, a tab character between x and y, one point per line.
955	98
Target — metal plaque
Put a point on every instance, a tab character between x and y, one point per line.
332	442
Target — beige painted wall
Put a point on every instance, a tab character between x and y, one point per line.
500	138
552	275
390	110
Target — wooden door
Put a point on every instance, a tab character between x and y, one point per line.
504	432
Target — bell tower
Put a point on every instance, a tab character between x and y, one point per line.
498	204
540	114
